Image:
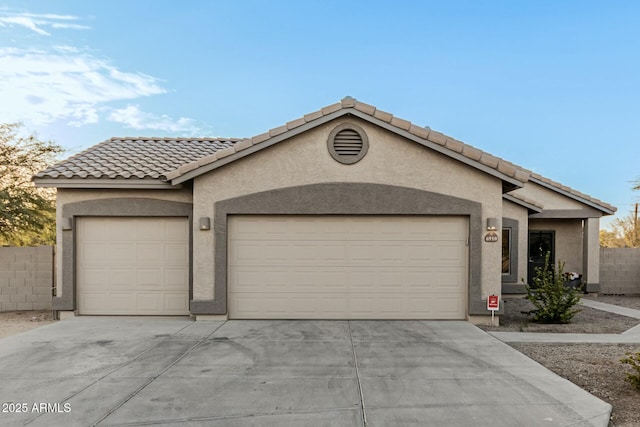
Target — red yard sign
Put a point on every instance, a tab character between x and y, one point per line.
493	303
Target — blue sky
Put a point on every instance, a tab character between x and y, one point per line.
553	86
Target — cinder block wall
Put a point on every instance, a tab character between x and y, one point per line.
620	271
26	278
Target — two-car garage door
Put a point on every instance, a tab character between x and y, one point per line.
347	267
133	266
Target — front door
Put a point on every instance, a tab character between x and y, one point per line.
540	242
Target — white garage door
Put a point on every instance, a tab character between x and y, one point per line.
133	266
347	267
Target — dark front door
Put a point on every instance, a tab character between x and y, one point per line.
540	242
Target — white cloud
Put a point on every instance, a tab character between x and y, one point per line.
35	22
131	116
63	83
42	86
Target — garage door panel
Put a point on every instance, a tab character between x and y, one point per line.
347	267
303	306
92	253
149	253
95	278
98	232
149	302
175	232
290	279
129	266
345	306
149	278
152	230
176	254
94	303
118	279
119	253
174	303
175	279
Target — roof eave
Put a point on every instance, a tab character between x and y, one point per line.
531	207
509	183
141	184
605	209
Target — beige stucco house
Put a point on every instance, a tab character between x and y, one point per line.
344	213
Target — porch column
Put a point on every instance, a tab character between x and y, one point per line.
591	254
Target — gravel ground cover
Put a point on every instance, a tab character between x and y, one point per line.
587	321
597	369
594	367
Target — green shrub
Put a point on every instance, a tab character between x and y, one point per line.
633	360
553	300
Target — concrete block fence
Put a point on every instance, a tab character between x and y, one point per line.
26	278
620	271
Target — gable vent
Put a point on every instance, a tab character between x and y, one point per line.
348	143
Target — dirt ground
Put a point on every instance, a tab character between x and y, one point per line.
14	322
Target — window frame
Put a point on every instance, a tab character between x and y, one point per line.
513	225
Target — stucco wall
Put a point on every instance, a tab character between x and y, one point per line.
66	195
520	214
568	240
547	198
304	160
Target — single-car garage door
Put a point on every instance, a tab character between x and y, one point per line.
133	266
347	267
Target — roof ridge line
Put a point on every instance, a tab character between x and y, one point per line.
502	166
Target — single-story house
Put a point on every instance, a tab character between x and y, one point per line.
345	213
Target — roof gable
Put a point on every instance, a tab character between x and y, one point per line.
572	194
511	175
141	162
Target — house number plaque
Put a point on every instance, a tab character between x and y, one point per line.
491	236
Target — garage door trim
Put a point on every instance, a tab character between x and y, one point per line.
343	199
116	207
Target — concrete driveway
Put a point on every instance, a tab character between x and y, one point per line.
158	371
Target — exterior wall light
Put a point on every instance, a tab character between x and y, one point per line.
205	223
492	226
66	224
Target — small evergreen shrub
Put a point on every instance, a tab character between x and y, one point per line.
634	361
554	302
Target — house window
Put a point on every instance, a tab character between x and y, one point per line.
506	251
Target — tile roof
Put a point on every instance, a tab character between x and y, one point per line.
523	201
172	158
577	194
135	157
502	166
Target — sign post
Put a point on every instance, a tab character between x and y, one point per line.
493	304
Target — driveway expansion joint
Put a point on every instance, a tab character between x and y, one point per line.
155	377
355	364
